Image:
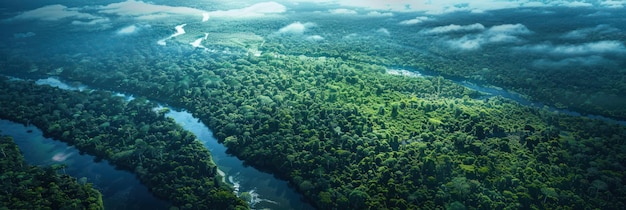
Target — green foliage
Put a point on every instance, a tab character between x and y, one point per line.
131	135
568	87
330	120
30	187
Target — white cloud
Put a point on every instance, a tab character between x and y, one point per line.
501	38
429	6
593	47
583	33
351	36
589	48
100	21
447	6
255	10
571	4
395	5
379	14
147	11
466	43
453	28
152	17
599	14
205	17
295	28
587	61
383	31
613	4
579	4
512	29
506	33
414	21
315	38
533	4
54	13
343	11
131	29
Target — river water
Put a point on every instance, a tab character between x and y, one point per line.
120	189
265	190
495	91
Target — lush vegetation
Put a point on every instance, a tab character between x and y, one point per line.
31	187
327	117
583	88
131	135
348	135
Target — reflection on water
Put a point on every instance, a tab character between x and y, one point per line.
262	190
60	157
120	189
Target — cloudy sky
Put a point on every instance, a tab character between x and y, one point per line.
465	37
445	6
144	10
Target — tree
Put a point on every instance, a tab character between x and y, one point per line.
358	198
548	192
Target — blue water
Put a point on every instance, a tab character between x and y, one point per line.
267	191
522	100
37	44
491	91
120	189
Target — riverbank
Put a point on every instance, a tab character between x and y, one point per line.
129	134
261	190
120	189
265	191
492	91
34	187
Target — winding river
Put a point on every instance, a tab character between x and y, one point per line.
263	189
495	91
266	191
120	189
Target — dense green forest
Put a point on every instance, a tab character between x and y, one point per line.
349	135
31	187
131	135
565	89
583	88
328	117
